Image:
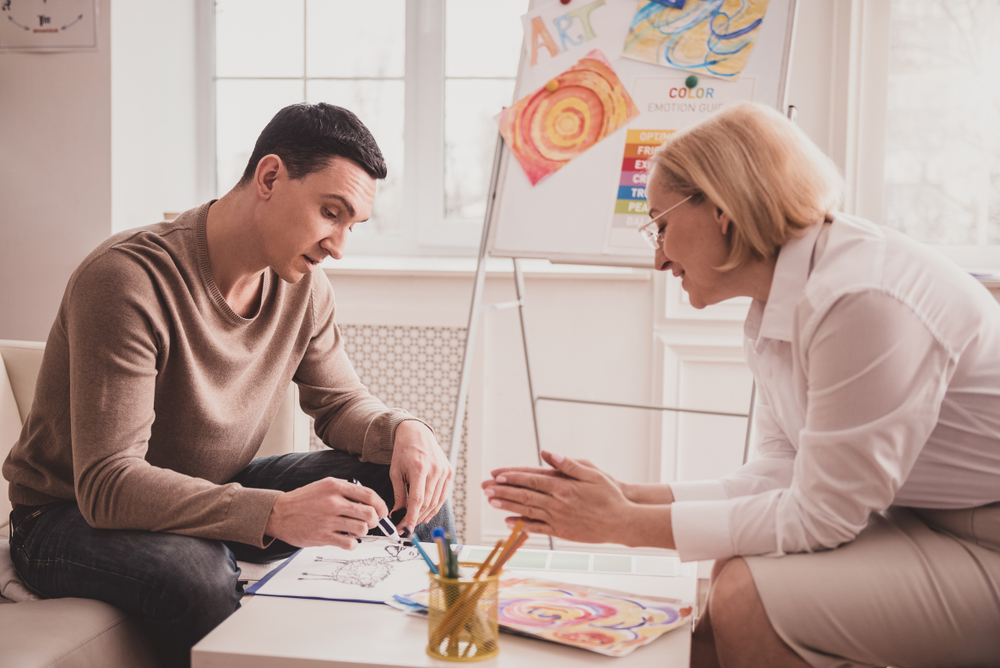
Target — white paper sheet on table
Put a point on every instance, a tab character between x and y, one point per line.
376	570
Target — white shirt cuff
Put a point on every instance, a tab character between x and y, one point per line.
698	490
701	529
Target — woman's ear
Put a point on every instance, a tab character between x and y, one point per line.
724	221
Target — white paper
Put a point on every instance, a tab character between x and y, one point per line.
374	571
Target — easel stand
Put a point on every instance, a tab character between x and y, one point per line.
477	308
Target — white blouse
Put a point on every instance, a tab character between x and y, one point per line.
877	363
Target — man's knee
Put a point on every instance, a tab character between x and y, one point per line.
197	577
444	519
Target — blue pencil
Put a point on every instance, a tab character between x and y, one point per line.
416	544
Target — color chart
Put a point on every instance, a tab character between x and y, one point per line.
631	210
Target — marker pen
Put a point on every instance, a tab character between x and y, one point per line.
385	525
389	529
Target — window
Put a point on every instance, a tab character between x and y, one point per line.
942	149
425	76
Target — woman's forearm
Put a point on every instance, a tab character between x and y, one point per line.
648	493
648	525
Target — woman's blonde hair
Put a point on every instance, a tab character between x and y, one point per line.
759	168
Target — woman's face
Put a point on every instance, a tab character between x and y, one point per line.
693	243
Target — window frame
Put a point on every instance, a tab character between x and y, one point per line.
859	83
425	231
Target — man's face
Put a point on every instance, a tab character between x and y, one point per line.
308	219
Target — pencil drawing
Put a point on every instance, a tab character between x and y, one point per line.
366	572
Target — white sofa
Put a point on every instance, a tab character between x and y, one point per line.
73	632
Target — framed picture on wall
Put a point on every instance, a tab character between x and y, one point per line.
47	25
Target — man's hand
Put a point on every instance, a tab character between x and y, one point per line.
418	463
326	512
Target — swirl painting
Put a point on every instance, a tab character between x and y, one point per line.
712	37
566	116
598	620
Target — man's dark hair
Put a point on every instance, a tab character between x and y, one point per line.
307	136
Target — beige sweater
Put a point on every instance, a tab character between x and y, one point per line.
153	392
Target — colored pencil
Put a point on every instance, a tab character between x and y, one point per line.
522	539
486	562
507	548
438	535
430	564
453	618
453	555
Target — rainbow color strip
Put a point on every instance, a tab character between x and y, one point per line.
631	208
566	116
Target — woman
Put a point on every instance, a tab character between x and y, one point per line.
866	531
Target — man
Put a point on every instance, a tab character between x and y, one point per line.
172	349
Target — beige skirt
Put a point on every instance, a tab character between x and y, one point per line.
916	588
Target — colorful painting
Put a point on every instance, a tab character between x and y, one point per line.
599	620
602	621
566	116
711	37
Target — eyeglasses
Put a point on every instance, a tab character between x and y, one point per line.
651	231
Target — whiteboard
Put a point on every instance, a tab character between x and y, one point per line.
575	214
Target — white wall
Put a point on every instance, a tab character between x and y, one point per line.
591	338
92	142
153	111
837	81
810	88
55	172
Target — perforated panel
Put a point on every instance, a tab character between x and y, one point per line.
417	369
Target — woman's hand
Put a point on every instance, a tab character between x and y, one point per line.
574	500
549	471
643	493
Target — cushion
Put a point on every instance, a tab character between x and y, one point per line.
71	633
11	587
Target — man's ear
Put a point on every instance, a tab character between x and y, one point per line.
724	221
268	169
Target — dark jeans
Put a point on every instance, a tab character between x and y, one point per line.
180	587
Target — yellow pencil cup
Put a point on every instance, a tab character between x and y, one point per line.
462	616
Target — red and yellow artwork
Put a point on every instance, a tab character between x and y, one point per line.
566	116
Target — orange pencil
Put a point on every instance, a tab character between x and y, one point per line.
442	563
521	540
486	562
505	551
